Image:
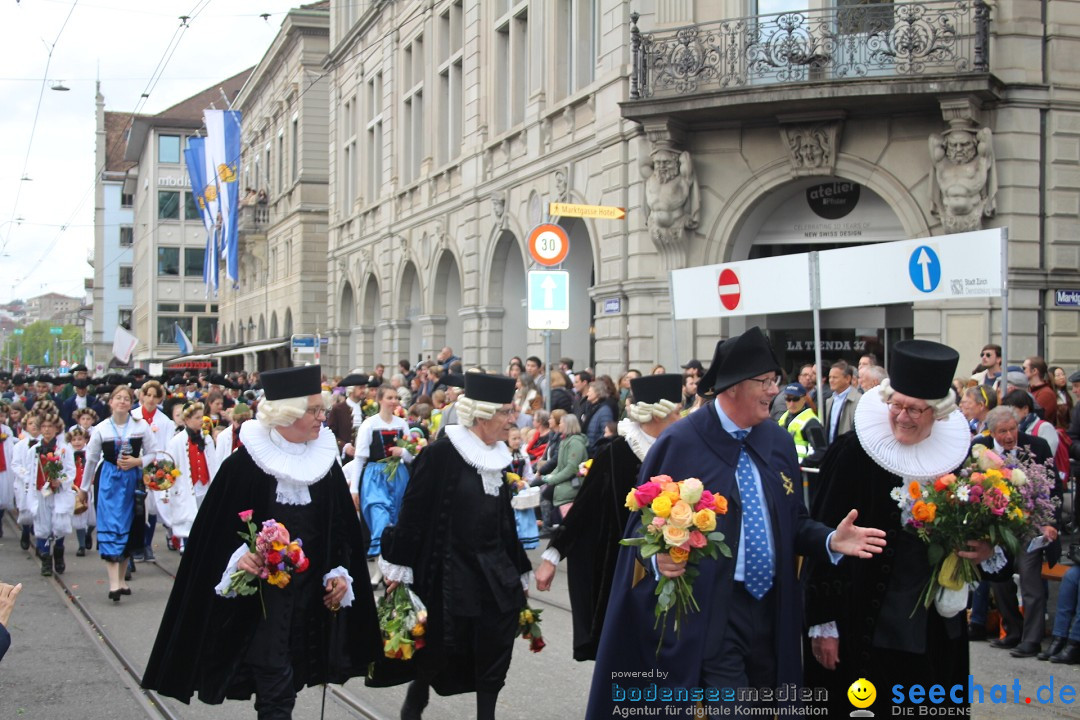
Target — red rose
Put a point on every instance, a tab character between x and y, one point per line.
419	643
303	564
273	557
537	644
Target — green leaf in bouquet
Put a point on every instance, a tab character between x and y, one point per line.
935	553
647	551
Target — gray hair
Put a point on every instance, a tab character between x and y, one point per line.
570	424
469	410
999	415
600	388
876	372
942	407
279	413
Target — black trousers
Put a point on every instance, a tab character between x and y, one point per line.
746	658
491	639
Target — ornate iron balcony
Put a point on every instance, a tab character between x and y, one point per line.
849	42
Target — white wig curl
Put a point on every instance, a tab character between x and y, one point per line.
279	413
942	407
642	412
469	410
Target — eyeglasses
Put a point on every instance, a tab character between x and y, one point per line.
987	354
316	411
788	398
767	383
914	413
505	412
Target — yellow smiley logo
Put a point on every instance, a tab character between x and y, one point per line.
862	693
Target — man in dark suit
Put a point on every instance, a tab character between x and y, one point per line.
81	399
1023	634
748	633
839	415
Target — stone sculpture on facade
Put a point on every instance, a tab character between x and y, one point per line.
498	209
963	184
672	201
811	147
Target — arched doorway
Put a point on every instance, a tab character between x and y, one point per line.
448	291
287	330
262	327
508	290
577	341
410	307
273	324
371	319
346	321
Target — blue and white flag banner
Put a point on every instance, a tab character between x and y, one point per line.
182	339
195	158
223	151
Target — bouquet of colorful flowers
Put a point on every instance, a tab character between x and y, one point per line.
281	555
403	622
160	474
207	426
678	518
369	407
1000	501
52	467
529	622
413	442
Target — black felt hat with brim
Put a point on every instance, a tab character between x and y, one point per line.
654	388
497	389
740	358
353	380
452	380
922	369
292	382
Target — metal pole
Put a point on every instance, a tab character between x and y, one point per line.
1004	306
547	366
815	306
674	329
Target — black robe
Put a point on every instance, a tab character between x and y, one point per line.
698	446
203	637
464	552
588	539
886	635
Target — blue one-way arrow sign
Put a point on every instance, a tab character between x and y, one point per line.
549	300
924	269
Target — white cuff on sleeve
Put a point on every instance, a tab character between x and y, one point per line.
552	556
826	630
222	588
526	578
340	572
995	562
407	457
396	573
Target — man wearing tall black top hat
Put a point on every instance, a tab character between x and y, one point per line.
867	619
456	542
747	634
588	537
315	630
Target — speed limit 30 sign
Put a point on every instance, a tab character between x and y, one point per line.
548	244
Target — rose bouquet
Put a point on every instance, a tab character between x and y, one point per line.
160	475
403	622
413	442
281	555
988	498
52	469
529	622
678	518
369	407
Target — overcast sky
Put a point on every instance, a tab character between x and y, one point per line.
120	42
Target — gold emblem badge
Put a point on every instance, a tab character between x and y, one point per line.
789	486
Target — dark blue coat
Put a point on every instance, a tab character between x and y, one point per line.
68	409
698	446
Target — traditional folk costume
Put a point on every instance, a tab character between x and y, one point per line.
7	473
380	496
22	468
456	541
886	635
196	459
163	428
51	508
588	537
83	521
119	494
224	647
524	518
227	443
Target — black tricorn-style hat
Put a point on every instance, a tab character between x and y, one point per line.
138	372
739	358
922	368
654	388
18	379
374	381
81	382
353	379
292	382
482	387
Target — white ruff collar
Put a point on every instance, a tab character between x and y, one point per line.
489	460
942	452
295	466
638	440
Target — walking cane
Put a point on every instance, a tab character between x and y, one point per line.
329	656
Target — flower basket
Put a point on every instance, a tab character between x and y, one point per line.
161	474
527	498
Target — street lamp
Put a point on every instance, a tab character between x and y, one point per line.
59	86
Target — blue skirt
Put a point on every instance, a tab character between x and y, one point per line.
115	509
528	533
380	499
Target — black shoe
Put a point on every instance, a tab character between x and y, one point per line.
46	565
89	540
131	565
1057	644
81	552
124	591
1005	643
416	699
24	542
127	575
1026	650
976	633
138	556
1070	655
114	595
58	560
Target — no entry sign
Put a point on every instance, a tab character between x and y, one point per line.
728	288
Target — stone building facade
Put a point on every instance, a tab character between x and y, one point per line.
282	242
726	135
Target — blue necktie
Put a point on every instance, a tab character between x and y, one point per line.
757	557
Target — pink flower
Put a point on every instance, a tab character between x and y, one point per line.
646	493
706	501
245	516
660	479
658	521
697	539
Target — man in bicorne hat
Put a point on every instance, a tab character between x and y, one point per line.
748	632
456	543
315	629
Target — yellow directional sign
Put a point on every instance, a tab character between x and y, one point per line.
607	212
